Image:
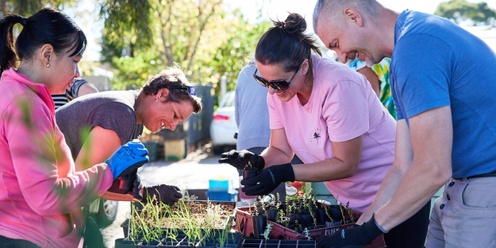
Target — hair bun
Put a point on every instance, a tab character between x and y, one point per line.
23	21
293	24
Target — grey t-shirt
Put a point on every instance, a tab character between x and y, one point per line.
251	111
113	110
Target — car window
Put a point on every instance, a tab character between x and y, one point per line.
228	100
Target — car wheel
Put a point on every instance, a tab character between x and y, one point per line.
107	212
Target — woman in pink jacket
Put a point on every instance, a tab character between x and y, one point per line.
42	194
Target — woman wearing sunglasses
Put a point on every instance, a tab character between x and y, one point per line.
326	114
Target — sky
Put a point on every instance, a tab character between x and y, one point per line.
272	9
278	9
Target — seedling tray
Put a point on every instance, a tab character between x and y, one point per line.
231	240
246	224
270	243
203	219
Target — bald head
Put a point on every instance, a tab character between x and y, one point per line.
349	27
334	9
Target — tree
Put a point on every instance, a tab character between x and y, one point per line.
29	7
197	35
126	25
238	50
142	37
180	31
461	11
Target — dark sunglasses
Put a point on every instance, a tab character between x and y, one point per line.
190	89
279	84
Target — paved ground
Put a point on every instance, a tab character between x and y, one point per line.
193	172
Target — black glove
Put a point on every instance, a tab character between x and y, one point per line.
357	236
243	159
135	187
168	194
128	184
267	180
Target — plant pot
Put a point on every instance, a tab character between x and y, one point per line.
123	243
305	219
272	214
290	227
335	213
321	216
259	224
293	217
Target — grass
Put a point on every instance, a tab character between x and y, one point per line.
199	221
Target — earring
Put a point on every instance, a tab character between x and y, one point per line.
48	65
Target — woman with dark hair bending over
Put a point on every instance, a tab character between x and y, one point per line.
326	114
96	124
42	193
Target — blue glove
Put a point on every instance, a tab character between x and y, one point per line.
357	236
267	180
127	158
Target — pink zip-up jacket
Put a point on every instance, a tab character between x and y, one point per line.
41	194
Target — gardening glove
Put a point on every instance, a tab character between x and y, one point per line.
127	158
267	180
127	184
136	187
357	236
167	194
242	159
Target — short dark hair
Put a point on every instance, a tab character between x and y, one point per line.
47	26
173	79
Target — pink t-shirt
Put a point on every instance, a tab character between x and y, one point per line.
41	193
342	106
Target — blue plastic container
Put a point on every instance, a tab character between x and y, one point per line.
221	190
221	196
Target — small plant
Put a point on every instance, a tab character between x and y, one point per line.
326	210
312	214
343	216
267	231
196	220
346	211
301	214
350	212
307	234
282	218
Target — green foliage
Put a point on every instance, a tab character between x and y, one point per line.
126	23
134	72
29	7
461	11
237	51
142	37
200	37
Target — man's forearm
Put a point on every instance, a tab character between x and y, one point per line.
416	188
386	191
